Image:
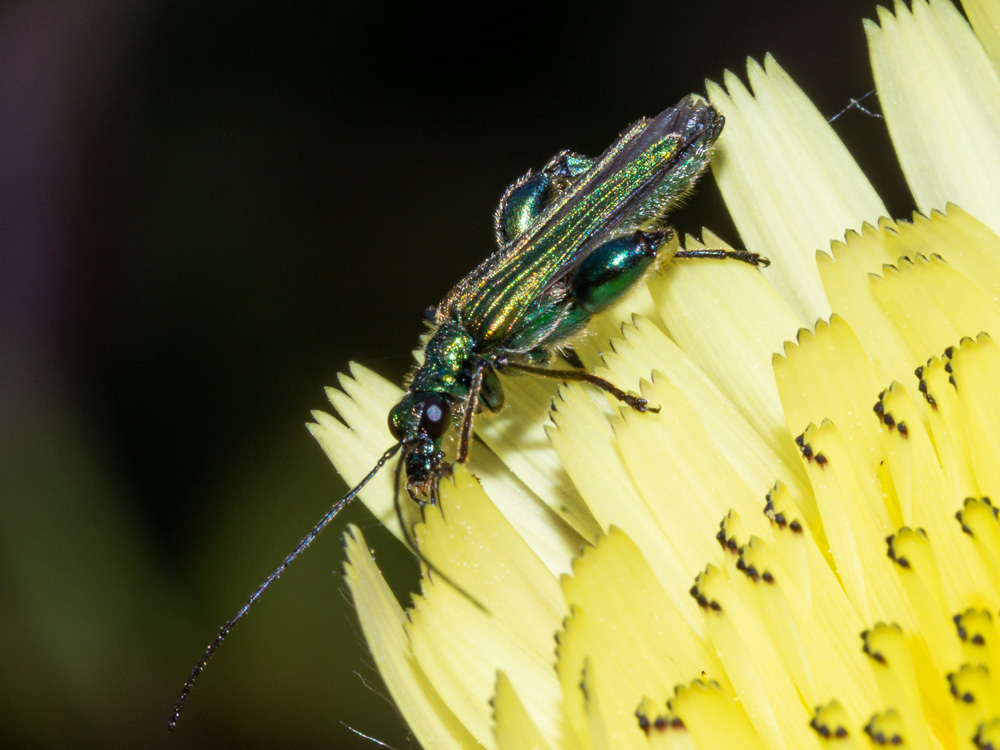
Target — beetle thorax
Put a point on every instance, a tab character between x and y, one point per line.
446	360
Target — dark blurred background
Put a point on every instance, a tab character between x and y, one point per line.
206	211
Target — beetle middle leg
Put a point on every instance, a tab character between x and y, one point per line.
636	402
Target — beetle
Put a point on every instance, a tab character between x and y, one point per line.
572	238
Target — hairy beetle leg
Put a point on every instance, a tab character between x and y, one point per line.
754	259
636	402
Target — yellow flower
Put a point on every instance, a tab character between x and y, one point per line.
799	549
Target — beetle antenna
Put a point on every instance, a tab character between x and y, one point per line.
323	522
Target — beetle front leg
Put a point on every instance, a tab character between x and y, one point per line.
475	387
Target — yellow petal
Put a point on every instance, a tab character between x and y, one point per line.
941	98
927	500
834	727
623	628
754	440
826	376
968	246
913	554
946	421
543	528
972	258
917	696
788	181
703	306
517	435
770	591
975	369
984	15
600	735
845	277
823	614
584	439
501	615
683	477
979	521
664	728
467	538
713	718
980	638
975	689
888	729
932	304
988	734
586	442
514	728
759	675
856	519
383	623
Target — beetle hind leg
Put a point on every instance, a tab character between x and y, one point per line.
754	259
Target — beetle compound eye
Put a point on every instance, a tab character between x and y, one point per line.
435	416
417	414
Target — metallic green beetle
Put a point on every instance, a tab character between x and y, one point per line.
572	238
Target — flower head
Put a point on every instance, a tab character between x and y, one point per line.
800	547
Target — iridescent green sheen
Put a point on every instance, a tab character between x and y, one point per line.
446	355
611	270
527	198
575	164
521	205
631	185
